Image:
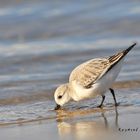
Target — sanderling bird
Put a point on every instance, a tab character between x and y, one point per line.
91	78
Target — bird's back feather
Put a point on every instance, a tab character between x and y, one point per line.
91	71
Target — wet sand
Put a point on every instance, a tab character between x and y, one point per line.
108	123
80	121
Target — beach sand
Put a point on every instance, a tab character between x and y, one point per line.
107	123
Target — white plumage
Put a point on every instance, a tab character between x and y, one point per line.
91	78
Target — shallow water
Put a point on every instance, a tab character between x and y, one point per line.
42	41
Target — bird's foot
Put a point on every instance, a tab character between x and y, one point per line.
99	106
117	104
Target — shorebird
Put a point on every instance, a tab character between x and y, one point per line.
91	78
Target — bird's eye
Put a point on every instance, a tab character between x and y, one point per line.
60	96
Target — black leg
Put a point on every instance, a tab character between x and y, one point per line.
103	98
113	94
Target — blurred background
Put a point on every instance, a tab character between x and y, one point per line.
55	24
41	41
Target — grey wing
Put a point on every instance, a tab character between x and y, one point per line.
87	73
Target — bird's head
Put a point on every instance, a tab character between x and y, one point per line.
61	96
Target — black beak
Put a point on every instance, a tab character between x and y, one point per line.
57	107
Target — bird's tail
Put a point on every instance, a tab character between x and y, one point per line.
128	49
116	58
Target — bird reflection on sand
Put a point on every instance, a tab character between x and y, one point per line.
72	125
